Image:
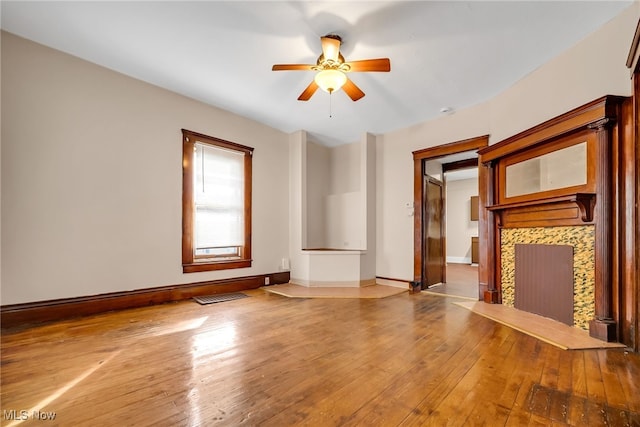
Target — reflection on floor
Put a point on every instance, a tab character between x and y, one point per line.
462	281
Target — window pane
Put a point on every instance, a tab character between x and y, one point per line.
231	251
218	227
219	197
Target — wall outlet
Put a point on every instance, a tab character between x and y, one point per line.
266	281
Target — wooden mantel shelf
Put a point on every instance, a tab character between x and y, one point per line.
585	201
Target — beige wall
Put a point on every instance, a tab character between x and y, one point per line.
460	228
395	184
92	179
368	206
344	204
318	178
433	168
593	68
333	196
298	205
345	168
91	175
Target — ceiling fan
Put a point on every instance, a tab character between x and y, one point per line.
331	69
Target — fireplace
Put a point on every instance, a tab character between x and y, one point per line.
544	281
559	183
582	241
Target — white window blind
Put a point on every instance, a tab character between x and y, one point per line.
219	197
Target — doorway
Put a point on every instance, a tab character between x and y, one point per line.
429	270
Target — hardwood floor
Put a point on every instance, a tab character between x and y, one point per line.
297	291
462	281
409	359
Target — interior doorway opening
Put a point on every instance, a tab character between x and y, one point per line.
459	223
459	257
461	228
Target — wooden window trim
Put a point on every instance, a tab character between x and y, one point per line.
189	263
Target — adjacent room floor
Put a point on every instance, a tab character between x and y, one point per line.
409	359
462	281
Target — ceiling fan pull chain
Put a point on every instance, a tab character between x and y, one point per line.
330	93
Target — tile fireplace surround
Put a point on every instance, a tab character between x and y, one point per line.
581	238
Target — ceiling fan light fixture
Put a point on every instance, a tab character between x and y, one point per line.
330	80
331	47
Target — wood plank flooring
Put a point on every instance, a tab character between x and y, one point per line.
296	291
462	281
405	360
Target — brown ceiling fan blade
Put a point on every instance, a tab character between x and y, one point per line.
309	91
330	47
291	67
380	64
352	90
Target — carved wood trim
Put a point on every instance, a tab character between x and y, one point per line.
629	206
634	52
460	164
603	250
585	202
574	120
488	285
452	148
418	220
630	266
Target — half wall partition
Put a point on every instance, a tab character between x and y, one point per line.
332	213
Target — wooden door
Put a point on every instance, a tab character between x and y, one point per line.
434	245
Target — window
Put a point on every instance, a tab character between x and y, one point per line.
216	203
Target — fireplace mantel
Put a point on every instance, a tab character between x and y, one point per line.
585	201
519	194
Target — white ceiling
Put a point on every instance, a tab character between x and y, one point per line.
443	54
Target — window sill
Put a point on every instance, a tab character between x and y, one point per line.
216	265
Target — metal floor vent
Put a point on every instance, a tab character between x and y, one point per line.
211	299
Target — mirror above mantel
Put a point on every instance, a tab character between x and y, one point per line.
558	169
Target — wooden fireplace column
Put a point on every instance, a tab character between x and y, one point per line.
489	259
603	326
